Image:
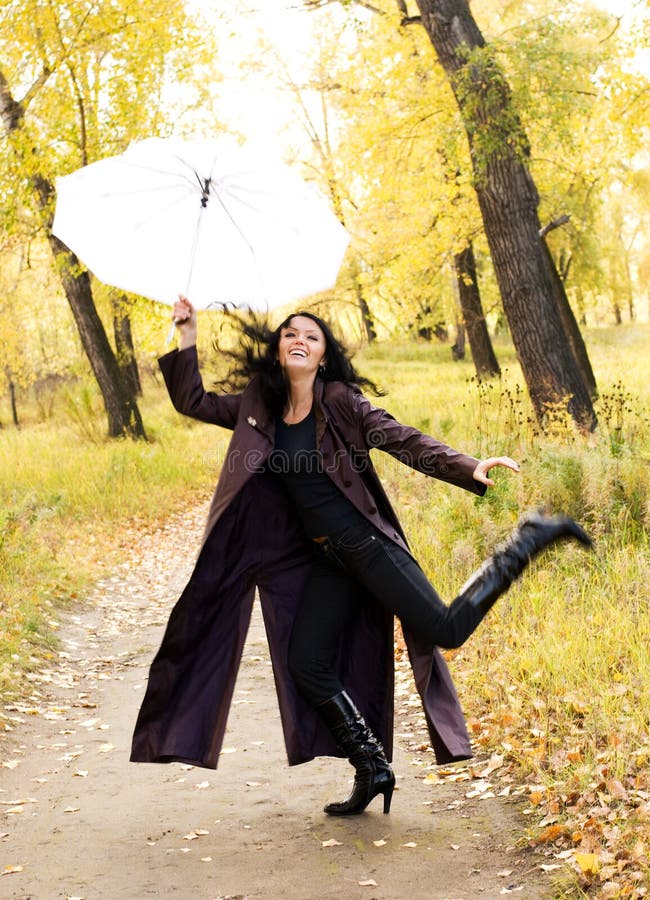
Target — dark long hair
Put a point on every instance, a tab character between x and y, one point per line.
256	355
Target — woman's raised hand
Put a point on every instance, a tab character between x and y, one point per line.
184	316
480	473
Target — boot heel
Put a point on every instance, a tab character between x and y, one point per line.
388	796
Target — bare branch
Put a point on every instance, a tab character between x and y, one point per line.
611	34
321	4
556	223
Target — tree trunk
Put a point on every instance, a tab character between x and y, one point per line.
485	361
570	325
121	408
509	202
458	347
12	396
364	309
126	358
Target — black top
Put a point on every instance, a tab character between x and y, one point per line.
322	507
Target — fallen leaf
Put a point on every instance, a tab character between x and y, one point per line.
202	785
588	863
380	843
477	791
253	784
504	873
11	870
496	761
71	809
106	748
369	882
550	867
206	859
331	843
11	763
410	844
228	750
551	834
616	789
82	773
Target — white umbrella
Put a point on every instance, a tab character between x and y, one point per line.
218	225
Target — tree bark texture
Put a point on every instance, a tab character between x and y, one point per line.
485	361
570	325
509	202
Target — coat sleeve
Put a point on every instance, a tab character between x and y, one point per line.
180	369
413	448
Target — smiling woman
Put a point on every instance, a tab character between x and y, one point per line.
300	514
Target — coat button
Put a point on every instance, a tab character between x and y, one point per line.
347	484
372	510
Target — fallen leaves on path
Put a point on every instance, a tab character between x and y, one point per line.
597	831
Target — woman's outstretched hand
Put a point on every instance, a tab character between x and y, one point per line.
480	473
184	316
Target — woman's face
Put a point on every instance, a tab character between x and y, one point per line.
302	346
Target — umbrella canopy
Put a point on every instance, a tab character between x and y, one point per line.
192	217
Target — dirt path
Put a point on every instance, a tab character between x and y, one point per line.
80	821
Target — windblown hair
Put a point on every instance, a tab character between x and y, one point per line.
256	355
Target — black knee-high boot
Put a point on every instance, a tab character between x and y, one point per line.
373	774
533	534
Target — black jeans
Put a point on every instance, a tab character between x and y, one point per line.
362	557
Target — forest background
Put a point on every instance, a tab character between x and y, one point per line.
360	101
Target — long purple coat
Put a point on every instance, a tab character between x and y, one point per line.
253	539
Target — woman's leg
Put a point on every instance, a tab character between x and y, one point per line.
328	604
397	582
330	600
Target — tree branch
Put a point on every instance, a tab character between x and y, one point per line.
321	4
36	86
11	112
556	223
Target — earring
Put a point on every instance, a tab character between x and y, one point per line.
321	370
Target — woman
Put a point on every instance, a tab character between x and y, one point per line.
302	515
